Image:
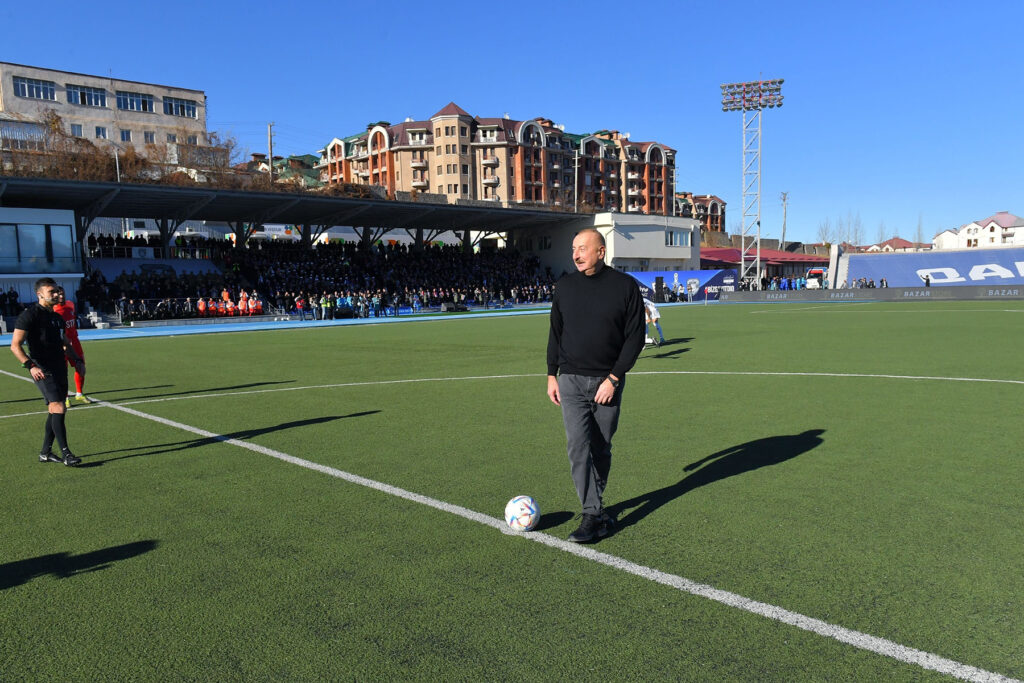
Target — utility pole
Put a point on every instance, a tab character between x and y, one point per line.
784	196
576	181
270	151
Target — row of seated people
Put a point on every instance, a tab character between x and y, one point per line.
177	309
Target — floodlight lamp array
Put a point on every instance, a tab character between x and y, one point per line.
752	96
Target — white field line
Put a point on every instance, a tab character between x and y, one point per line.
863	641
476	377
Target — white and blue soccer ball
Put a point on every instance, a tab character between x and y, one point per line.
522	513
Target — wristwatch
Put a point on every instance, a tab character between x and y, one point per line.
615	382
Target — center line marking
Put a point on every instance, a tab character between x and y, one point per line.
858	639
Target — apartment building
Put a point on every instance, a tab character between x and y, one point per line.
102	109
706	208
460	158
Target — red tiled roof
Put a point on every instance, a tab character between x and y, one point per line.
769	256
451	110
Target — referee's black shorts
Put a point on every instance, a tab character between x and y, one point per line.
54	385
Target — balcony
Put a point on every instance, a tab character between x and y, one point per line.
613	175
633	209
556	166
633	192
492	162
363	173
491	181
419	163
420	184
614	191
556	184
633	175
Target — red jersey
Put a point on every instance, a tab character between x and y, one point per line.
66	310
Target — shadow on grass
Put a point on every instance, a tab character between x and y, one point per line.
549	520
739	459
210	390
661	352
217	438
96	393
63	565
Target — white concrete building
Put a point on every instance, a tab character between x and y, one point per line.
635	242
999	230
102	109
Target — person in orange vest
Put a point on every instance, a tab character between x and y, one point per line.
230	307
256	306
225	294
221	307
201	307
243	305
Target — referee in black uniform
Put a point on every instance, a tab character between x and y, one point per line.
47	349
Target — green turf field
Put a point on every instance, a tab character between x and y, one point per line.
874	494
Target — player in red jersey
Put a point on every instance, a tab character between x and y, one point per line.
66	309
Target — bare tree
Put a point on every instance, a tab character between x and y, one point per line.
919	233
856	230
826	235
881	232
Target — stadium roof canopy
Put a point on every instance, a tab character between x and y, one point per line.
90	200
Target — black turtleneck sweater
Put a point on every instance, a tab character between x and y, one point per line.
597	324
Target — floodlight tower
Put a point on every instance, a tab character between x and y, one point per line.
751	98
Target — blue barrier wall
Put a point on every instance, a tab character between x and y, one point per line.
709	282
944	268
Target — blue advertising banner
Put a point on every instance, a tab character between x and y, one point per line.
687	285
941	268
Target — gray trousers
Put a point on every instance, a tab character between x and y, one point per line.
589	427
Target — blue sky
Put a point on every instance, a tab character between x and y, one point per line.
897	114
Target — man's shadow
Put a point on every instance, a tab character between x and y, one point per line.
729	462
661	352
219	438
209	390
96	393
63	565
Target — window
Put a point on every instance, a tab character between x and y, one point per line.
76	130
439	149
135	101
171	137
465	169
177	107
440	189
437	131
677	238
101	133
149	137
465	189
34	88
462	131
465	149
126	135
192	139
439	171
87	97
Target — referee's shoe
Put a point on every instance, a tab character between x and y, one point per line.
70	459
49	457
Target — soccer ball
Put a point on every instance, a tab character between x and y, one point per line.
522	513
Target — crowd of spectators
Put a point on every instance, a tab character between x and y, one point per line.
327	281
117	246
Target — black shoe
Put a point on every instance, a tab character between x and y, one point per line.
70	459
49	457
592	529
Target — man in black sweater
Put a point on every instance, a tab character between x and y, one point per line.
597	333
